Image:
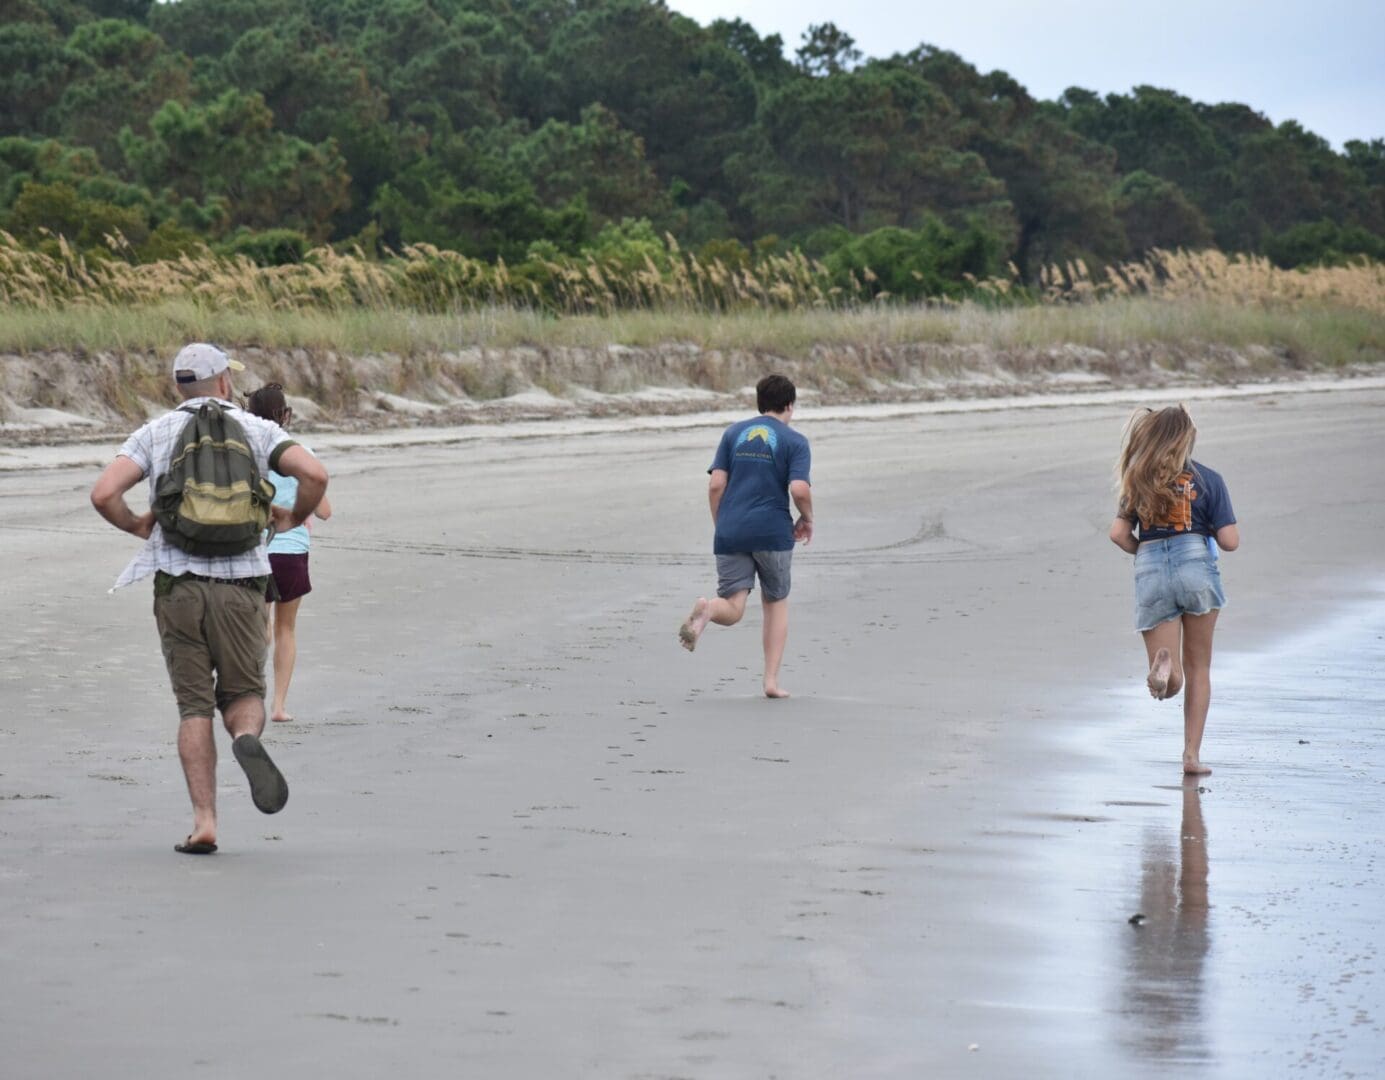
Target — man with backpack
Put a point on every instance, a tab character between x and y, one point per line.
204	544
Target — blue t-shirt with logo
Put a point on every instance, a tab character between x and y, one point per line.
761	457
1202	506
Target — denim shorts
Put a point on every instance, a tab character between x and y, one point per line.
1175	577
736	573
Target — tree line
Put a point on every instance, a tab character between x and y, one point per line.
523	130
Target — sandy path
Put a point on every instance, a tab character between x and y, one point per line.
529	836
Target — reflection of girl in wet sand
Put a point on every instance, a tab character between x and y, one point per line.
1172	516
1165	990
288	556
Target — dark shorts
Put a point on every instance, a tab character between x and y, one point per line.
737	573
213	637
290	576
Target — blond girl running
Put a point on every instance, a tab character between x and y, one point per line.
1173	515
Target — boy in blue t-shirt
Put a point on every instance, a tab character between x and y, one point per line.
760	465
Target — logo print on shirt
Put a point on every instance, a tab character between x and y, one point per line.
763	432
1180	517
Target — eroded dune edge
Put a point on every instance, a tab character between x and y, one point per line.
58	396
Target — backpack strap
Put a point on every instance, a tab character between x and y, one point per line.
193	410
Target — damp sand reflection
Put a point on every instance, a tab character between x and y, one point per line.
1278	969
1163	998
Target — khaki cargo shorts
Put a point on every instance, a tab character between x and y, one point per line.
214	639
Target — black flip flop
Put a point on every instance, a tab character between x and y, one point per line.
268	788
201	847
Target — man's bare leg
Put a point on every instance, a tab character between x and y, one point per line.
245	718
1164	646
776	636
197	751
1197	697
724	611
285	654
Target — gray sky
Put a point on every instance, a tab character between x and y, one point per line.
1320	62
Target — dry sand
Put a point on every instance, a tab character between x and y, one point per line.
529	836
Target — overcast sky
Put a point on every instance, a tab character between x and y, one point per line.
1320	62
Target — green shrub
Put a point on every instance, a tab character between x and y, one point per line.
914	263
628	244
1323	243
57	210
268	247
730	253
169	241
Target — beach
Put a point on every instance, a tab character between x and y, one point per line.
529	836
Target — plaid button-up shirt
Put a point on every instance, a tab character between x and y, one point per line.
151	448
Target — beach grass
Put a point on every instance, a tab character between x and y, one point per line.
1308	334
424	301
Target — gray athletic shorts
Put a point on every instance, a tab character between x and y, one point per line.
737	572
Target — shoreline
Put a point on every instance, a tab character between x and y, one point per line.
1237	953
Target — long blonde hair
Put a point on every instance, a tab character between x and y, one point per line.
1155	448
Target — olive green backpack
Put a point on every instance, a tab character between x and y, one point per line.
213	500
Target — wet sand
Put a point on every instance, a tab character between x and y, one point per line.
530	836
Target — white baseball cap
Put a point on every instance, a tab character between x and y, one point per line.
200	361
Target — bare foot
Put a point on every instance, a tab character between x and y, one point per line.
694	624
775	692
1159	672
1193	767
279	716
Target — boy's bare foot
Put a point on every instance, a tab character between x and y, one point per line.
1159	672
1193	767
694	624
279	716
775	692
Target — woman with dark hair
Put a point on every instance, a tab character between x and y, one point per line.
288	556
1173	514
